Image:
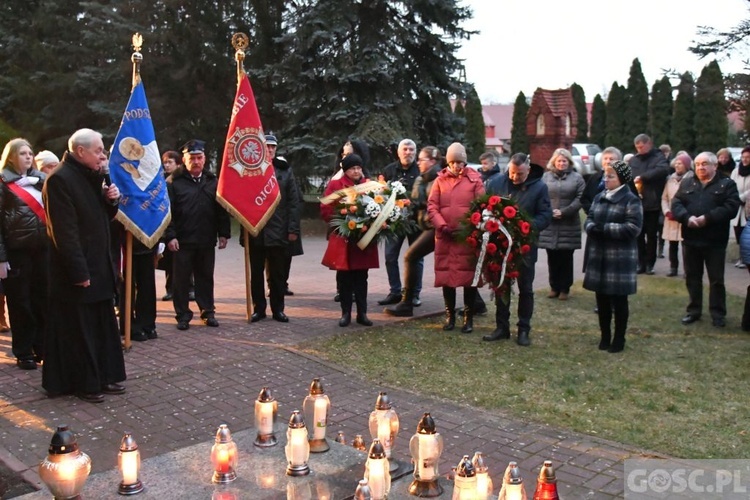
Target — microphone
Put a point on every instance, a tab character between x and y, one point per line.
105	172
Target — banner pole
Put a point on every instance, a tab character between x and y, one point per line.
240	42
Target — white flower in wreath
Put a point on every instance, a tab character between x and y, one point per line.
397	187
372	209
395	214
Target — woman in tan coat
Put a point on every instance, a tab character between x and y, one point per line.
672	230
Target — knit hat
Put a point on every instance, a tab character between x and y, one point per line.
456	152
45	158
685	159
350	161
623	171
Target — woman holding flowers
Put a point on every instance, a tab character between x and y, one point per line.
613	225
343	255
563	236
450	198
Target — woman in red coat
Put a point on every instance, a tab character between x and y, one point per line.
452	193
344	256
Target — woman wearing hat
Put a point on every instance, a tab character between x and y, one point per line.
613	225
23	250
450	199
344	256
672	230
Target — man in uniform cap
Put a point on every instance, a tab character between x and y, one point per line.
197	221
271	251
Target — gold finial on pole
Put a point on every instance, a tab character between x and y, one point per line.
136	58
240	42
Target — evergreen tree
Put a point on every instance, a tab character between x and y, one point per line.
616	135
582	125
710	117
661	111
683	131
636	103
519	138
459	119
475	135
598	133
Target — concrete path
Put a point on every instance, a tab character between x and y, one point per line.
184	384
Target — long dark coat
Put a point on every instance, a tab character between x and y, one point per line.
612	261
565	193
83	351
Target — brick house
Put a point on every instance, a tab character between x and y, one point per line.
550	123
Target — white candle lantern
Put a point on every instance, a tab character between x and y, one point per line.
297	447
224	456
484	481
377	471
316	407
66	468
425	447
512	484
384	425
129	463
266	408
465	482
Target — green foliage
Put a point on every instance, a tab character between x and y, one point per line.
519	138
475	136
582	125
6	132
661	111
710	118
683	131
616	135
598	133
636	103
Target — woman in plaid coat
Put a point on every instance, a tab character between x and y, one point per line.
613	225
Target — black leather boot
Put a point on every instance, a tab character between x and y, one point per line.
523	338
449	296
746	314
470	297
405	308
618	343
606	340
360	297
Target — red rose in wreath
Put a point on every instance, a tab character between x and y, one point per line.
494	200
476	217
509	212
491	248
525	227
492	226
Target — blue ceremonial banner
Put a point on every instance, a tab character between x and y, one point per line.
135	168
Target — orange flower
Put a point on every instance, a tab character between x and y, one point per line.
351	224
400	203
378	199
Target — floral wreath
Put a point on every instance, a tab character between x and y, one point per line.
501	234
371	211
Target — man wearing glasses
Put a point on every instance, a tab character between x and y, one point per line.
83	353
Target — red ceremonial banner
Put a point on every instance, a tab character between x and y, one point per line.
247	184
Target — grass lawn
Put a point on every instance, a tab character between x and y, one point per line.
682	391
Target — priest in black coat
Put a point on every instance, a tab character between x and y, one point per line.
83	350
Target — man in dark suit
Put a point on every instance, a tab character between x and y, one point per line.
197	221
83	351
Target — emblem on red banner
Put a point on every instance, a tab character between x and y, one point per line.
246	152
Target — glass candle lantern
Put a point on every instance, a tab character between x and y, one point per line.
129	463
224	456
384	425
297	447
425	448
359	443
340	438
546	483
512	484
465	482
363	491
377	471
266	408
66	468
316	407
484	481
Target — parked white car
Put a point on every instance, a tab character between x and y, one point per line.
583	158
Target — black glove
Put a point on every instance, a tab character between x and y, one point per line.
597	229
